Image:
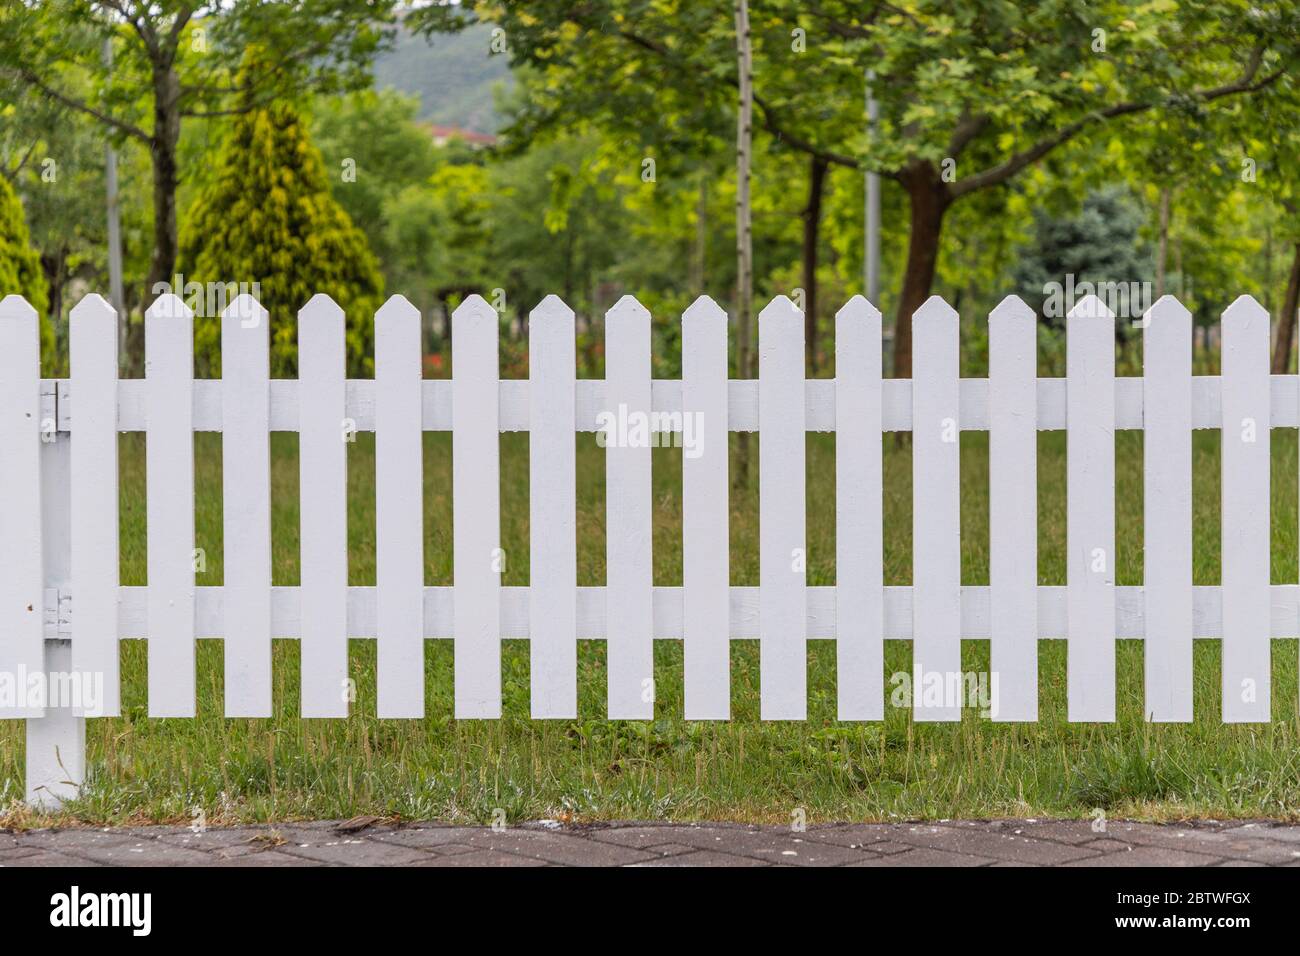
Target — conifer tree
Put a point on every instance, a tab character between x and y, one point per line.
20	266
268	218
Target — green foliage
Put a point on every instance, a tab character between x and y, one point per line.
452	76
1098	244
20	266
269	218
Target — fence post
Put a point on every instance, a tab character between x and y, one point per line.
56	743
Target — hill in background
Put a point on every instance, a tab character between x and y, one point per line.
453	75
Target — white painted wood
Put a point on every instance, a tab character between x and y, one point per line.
553	534
399	511
705	511
1013	510
56	745
169	508
628	521
323	508
742	400
246	505
22	585
743	612
94	499
1090	510
936	511
782	542
476	509
1247	686
859	530
1167	474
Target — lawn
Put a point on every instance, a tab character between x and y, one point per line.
593	768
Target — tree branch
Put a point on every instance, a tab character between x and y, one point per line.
130	129
1004	171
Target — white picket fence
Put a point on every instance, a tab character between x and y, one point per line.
59	513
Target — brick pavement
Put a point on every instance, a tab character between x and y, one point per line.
370	842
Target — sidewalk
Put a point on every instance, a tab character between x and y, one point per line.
369	842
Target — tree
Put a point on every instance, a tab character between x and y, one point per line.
971	92
173	61
269	218
20	266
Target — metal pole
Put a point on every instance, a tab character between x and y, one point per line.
871	265
115	291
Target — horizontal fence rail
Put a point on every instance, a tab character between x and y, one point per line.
61	498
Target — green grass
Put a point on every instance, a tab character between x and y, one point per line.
592	768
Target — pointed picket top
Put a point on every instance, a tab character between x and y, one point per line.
1244	311
1011	307
704	311
1091	307
93	307
169	306
321	308
245	310
1166	309
627	308
934	308
858	309
395	311
779	308
552	307
475	308
16	307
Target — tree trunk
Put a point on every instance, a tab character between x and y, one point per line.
162	153
1162	248
700	252
929	200
812	217
1286	325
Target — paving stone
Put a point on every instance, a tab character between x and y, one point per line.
704	858
1148	856
941	843
353	851
267	858
556	847
776	845
142	853
47	858
995	845
1073	832
483	858
924	856
423	837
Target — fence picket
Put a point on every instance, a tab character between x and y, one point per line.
936	512
706	604
169	508
628	521
246	508
553	535
399	510
1167	477
1245	513
22	585
323	507
859	531
94	499
1090	510
476	509
1013	509
782	542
